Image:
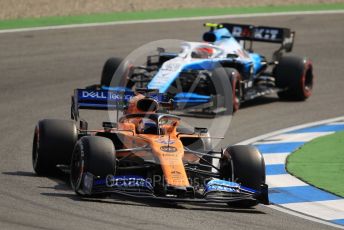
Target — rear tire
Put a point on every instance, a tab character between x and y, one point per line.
294	74
53	144
92	154
243	164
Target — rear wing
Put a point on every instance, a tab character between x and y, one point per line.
95	99
98	100
244	32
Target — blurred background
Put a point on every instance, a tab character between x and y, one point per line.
14	9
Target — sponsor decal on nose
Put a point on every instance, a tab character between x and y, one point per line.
92	94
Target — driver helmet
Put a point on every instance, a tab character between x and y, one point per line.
203	52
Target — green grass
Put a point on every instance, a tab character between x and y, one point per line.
321	163
159	14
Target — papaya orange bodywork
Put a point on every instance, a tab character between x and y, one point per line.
165	146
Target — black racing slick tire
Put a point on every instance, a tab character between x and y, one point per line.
235	78
109	69
94	155
294	75
53	144
243	164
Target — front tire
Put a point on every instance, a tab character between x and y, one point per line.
295	76
53	144
235	77
94	155
243	164
221	79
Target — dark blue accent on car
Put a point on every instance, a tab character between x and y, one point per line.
109	99
191	98
99	182
124	182
85	95
249	189
129	181
221	186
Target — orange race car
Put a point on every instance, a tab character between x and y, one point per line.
146	154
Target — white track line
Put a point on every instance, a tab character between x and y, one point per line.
275	158
283	180
338	123
294	137
73	26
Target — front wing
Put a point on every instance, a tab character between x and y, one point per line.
136	187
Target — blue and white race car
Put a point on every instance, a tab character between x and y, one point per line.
220	73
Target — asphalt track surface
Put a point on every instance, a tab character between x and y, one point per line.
39	70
